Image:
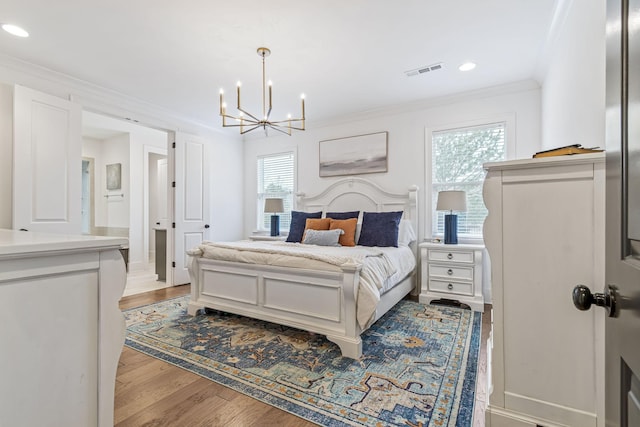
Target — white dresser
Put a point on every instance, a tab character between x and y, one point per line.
452	272
61	330
544	235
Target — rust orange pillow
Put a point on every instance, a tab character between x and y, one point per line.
316	224
349	227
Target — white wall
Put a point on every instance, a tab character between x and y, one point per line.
573	106
117	204
406	149
109	212
227	179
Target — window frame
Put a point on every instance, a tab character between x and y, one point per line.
259	216
509	121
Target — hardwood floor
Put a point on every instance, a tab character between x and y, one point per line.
150	392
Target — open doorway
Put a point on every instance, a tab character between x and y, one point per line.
125	192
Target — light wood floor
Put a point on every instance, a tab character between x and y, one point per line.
150	392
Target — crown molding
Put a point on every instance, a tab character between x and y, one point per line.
98	99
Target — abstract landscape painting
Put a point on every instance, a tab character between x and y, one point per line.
354	155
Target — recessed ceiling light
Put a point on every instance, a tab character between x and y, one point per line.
467	66
15	30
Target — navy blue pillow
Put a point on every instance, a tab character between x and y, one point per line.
380	229
298	223
343	215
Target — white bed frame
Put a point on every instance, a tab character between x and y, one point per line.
322	302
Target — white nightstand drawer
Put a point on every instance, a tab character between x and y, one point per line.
451	287
451	256
452	272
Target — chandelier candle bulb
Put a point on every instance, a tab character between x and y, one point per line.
238	86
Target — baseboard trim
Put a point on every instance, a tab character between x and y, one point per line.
499	417
553	412
526	412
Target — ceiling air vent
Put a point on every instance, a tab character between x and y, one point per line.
424	70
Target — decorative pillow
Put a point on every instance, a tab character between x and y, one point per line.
317	224
343	215
322	237
349	228
380	229
406	234
298	222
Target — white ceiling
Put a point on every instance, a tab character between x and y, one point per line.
346	56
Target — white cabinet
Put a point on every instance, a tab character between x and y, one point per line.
452	272
62	331
544	235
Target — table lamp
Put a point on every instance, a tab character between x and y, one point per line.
274	206
451	201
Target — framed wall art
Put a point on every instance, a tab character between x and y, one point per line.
354	155
114	176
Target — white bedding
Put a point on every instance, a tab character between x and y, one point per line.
382	268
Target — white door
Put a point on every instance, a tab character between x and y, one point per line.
47	150
191	195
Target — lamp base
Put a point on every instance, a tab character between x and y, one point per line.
275	225
451	229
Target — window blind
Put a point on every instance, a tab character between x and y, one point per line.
275	180
457	158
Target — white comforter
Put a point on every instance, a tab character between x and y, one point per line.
381	268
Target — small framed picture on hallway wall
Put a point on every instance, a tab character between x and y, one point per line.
114	176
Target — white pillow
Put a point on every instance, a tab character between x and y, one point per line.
322	237
406	234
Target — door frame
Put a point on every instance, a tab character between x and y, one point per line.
92	193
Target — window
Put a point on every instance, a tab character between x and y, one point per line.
456	164
275	180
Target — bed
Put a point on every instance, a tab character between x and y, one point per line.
324	300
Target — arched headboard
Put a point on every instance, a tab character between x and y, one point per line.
359	194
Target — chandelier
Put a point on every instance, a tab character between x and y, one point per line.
248	122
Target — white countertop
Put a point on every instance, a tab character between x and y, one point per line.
14	242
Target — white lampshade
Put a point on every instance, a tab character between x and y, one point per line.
273	205
452	201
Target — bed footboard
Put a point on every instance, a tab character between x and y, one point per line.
322	302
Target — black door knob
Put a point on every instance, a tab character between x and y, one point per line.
583	299
206	226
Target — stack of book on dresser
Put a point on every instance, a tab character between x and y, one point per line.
567	150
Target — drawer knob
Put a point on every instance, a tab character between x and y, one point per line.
449	272
450	256
450	286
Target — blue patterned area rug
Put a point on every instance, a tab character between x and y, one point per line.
418	369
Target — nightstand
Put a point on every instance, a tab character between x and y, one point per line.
452	272
264	237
